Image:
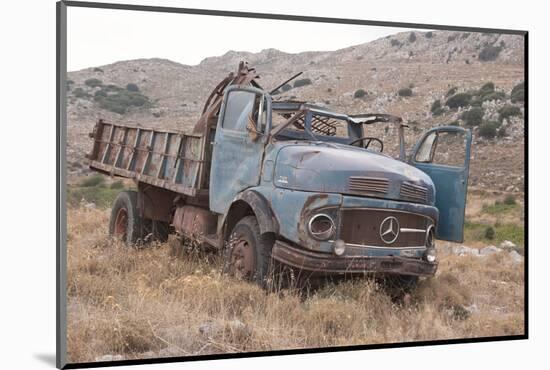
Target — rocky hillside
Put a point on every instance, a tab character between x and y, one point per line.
428	78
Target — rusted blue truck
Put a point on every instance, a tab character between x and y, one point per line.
267	180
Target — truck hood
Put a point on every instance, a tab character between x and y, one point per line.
336	168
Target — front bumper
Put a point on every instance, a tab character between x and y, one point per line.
326	263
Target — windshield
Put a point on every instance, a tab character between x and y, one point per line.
314	126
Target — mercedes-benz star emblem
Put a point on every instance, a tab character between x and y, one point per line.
389	230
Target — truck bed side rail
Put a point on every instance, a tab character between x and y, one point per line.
168	159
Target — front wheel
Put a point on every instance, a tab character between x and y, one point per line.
248	253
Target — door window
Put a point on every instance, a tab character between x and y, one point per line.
443	147
244	109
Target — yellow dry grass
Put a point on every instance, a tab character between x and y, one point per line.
160	302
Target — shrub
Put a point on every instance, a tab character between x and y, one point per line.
406	91
132	87
465	35
489	233
302	82
436	108
359	93
80	93
412	37
93	82
510	200
489	53
95	180
488	130
473	117
508	111
501	132
451	38
517	94
100	94
286	87
122	100
454	123
458	100
112	88
395	42
329	90
97	69
488	88
451	91
428	35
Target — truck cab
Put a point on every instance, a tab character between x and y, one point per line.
324	194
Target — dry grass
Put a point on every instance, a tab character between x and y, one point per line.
161	302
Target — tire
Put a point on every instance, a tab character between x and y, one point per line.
248	252
125	222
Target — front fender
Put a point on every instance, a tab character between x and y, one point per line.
261	208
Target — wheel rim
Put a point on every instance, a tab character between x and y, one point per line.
242	259
121	223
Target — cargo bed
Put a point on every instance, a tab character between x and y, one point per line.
167	159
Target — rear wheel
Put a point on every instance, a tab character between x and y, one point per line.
125	222
248	254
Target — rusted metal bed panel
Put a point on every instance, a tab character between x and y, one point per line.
168	159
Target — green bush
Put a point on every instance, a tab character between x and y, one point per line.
436	108
302	82
451	91
132	87
99	94
395	42
428	35
510	200
95	180
473	117
459	100
122	100
488	88
93	82
489	233
508	111
489	53
488	130
517	94
454	123
359	93
501	132
406	91
412	37
80	93
112	88
286	87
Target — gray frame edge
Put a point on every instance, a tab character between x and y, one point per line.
61	173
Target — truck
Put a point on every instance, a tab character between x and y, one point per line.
269	181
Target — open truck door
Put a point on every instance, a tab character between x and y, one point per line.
443	153
241	135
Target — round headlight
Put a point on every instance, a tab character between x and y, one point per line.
321	226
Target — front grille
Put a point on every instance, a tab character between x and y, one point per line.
415	193
362	227
359	184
